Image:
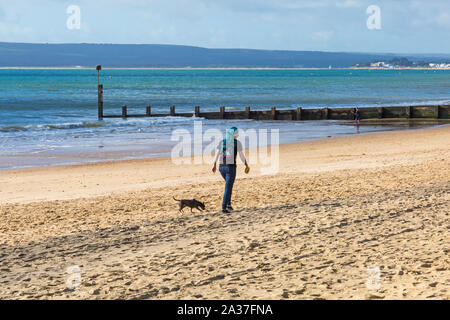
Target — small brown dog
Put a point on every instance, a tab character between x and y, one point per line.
193	204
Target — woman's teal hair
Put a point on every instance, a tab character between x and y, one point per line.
231	132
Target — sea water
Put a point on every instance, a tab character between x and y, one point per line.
49	116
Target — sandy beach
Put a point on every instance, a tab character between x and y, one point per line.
336	208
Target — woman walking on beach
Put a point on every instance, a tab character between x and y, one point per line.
357	115
228	150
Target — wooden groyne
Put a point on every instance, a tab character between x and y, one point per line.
394	112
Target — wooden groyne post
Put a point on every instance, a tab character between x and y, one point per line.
100	102
298	113
436	112
247	112
100	93
326	116
380	112
408	112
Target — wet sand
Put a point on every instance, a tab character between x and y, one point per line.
337	207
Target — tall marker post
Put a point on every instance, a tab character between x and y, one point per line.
100	93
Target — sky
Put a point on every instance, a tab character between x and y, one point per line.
404	26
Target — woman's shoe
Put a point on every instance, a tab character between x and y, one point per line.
225	211
230	208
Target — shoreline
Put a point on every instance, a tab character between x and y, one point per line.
121	154
104	170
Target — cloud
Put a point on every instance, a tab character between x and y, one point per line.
10	32
350	4
428	15
279	6
265	24
443	19
322	35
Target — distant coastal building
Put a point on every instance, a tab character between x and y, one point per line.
439	65
381	64
402	63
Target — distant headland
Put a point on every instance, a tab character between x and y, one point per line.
30	55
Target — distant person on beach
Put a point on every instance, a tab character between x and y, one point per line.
357	115
228	149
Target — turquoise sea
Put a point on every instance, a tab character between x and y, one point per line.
49	117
